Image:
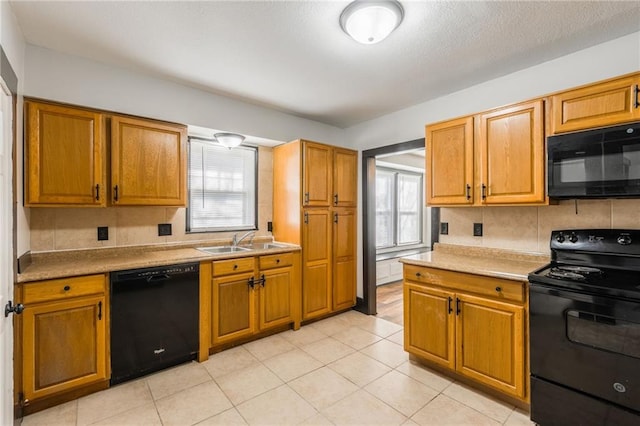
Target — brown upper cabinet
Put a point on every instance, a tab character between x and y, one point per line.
329	176
67	162
496	157
65	154
148	162
606	103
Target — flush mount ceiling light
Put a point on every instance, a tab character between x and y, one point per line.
369	22
229	140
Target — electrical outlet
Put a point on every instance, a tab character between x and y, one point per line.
477	230
270	226
103	233
164	229
444	228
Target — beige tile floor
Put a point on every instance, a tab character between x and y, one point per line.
346	370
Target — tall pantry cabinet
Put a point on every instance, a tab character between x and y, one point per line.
314	206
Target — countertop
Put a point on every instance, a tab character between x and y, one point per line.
94	261
489	262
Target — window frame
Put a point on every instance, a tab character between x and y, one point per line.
395	213
254	226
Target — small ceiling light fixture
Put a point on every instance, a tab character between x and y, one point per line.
229	140
371	21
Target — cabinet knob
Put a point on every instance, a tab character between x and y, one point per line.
418	274
277	260
67	288
235	267
498	289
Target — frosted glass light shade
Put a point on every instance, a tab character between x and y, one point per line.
369	22
229	140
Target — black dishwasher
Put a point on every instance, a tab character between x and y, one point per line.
154	319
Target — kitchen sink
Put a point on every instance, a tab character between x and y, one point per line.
223	249
259	246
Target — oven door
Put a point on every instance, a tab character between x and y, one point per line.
586	342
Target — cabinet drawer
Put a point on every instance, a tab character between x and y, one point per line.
63	288
232	266
276	260
457	281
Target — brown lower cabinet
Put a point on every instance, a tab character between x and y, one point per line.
468	324
62	336
252	295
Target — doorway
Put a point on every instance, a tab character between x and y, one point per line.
371	159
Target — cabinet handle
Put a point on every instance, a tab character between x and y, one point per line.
335	197
9	308
636	101
335	218
457	306
99	310
468	192
484	192
67	288
262	280
97	192
306	197
498	289
115	193
251	282
306	217
450	308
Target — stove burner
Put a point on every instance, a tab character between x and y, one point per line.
574	272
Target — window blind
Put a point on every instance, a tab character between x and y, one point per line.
222	187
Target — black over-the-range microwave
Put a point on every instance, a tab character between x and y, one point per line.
601	163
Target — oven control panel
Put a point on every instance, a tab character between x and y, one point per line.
626	241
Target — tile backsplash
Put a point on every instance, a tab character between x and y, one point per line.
55	229
529	228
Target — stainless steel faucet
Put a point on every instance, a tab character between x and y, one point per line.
235	241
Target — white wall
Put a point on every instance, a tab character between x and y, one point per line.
60	77
606	60
13	44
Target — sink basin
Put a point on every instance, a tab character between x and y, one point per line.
223	249
258	246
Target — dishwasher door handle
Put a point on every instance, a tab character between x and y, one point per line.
155	278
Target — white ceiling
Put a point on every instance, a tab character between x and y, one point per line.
293	56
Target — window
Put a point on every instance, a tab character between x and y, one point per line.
222	187
398	208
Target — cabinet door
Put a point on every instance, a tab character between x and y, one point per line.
318	174
148	163
275	295
429	323
344	259
449	162
64	158
232	308
345	177
511	142
490	343
316	260
64	345
602	104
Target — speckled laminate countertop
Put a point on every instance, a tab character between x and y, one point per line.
480	261
94	261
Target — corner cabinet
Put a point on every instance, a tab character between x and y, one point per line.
314	206
494	158
63	337
64	156
79	157
605	103
468	324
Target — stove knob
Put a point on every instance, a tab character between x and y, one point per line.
573	238
624	240
560	237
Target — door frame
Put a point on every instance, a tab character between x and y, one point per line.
368	302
